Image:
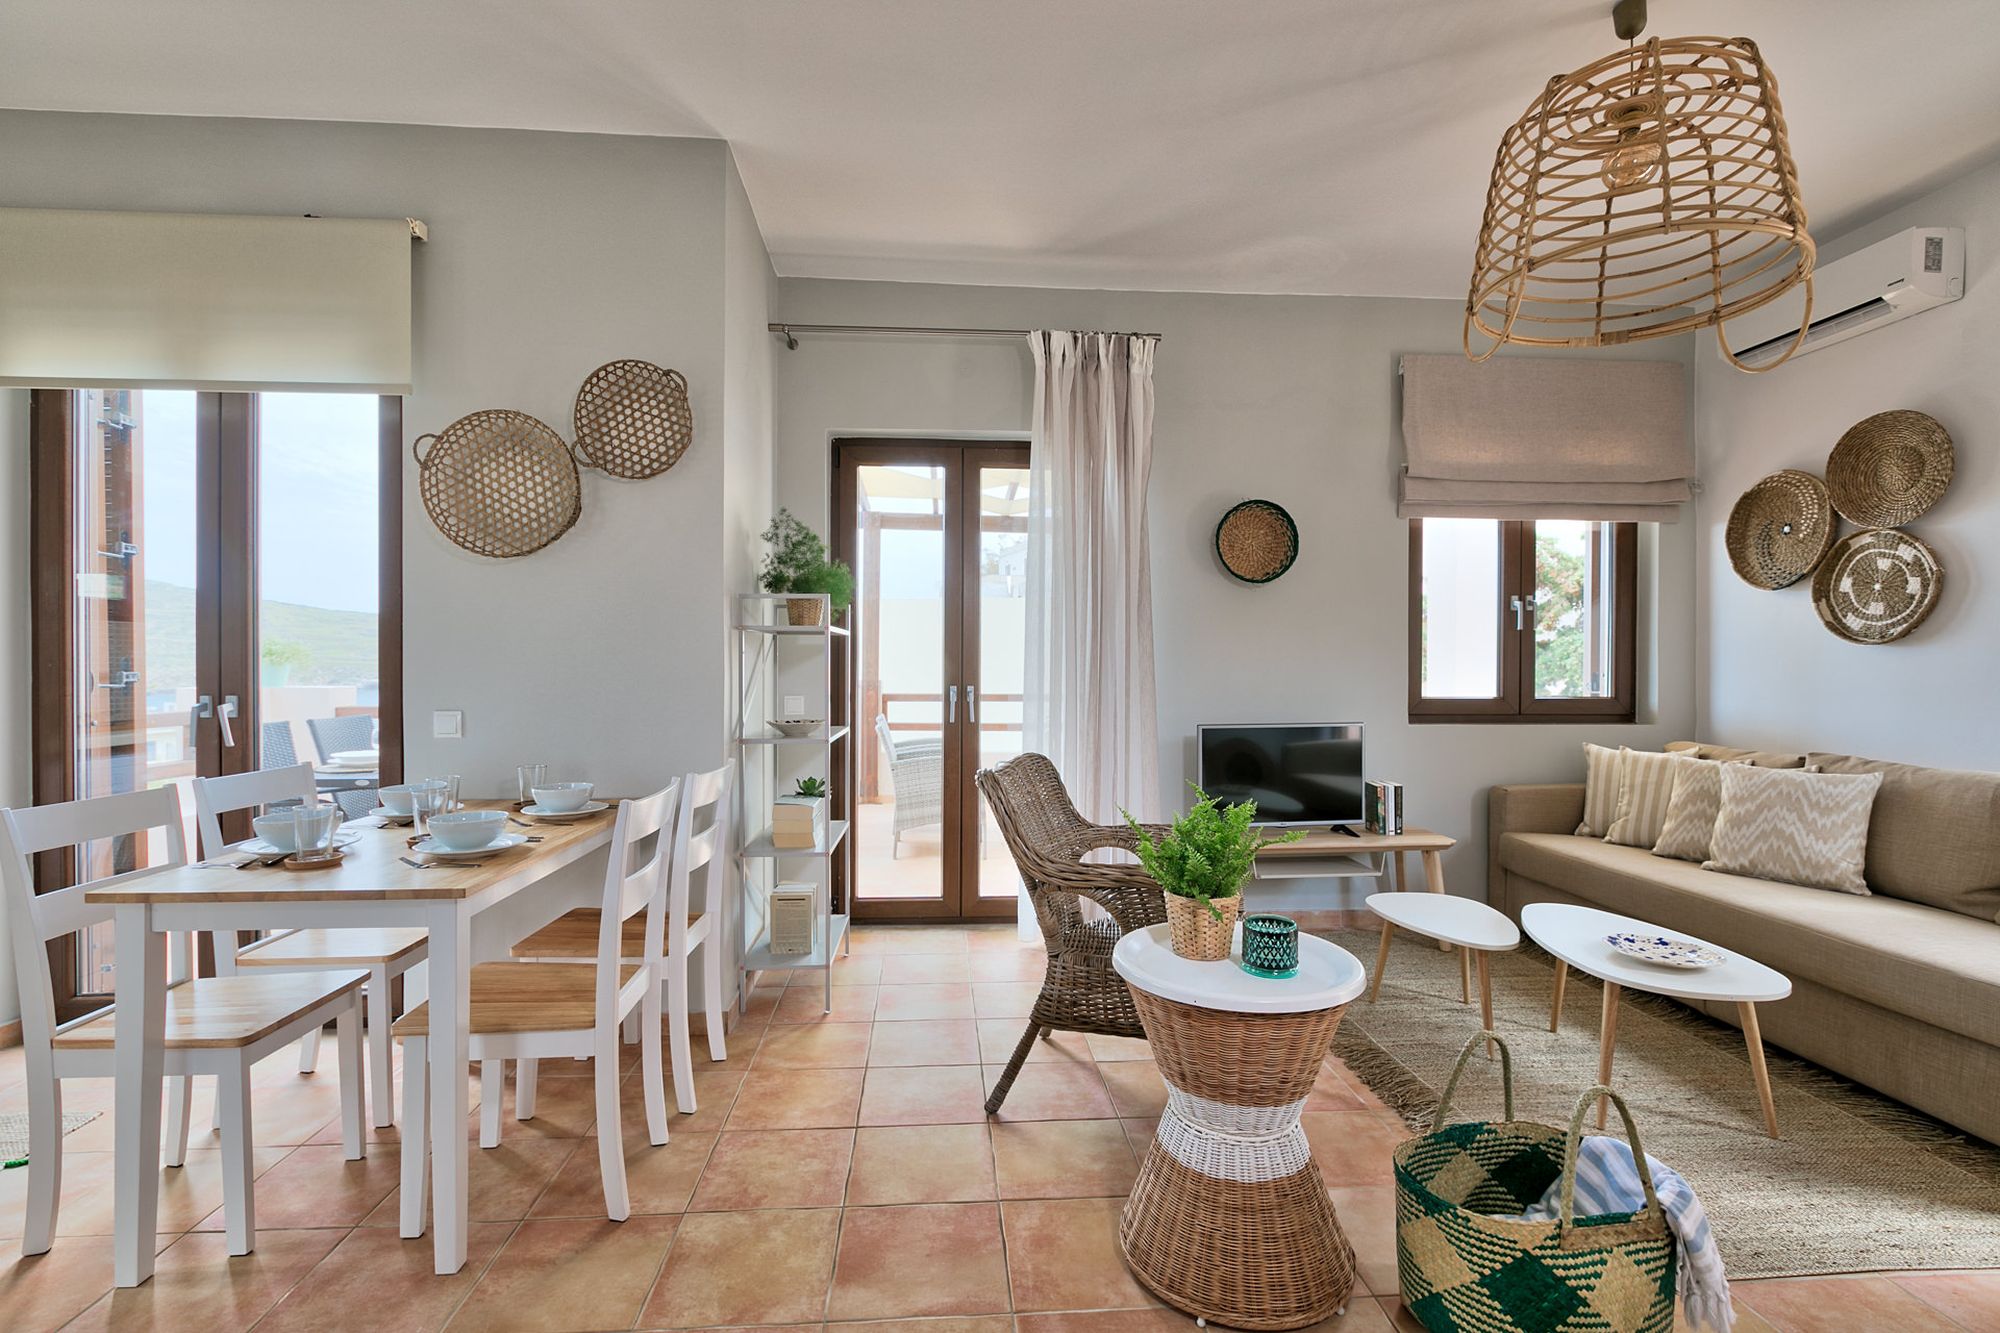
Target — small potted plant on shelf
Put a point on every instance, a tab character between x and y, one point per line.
799	820
1200	864
798	563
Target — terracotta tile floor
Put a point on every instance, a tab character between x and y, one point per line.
840	1172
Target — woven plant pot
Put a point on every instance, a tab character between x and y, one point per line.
1197	935
803	610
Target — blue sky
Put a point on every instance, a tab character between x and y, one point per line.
317	481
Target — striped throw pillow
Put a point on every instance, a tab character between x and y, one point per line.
1645	785
1600	791
1800	828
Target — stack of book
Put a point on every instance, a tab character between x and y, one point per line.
798	822
1383	807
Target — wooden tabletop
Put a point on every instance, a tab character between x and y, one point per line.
373	869
1345	844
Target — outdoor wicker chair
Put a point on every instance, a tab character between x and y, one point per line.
1080	991
916	771
333	735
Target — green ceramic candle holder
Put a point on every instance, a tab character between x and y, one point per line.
1270	945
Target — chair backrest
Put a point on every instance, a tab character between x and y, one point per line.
34	919
700	839
882	734
356	802
331	735
1042	828
216	797
635	880
274	746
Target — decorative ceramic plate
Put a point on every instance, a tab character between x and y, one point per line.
1666	950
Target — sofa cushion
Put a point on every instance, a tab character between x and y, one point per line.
1794	826
1730	754
1935	837
1938	967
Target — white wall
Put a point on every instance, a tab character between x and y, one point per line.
1291	398
1771	674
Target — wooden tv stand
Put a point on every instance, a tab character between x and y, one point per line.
1358	856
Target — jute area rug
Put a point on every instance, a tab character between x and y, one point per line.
1857	1183
14	1131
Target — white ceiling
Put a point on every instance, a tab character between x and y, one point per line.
1322	146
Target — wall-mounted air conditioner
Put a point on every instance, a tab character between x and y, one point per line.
1903	275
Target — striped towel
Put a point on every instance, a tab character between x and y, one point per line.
1607	1182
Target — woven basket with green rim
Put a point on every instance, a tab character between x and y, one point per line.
1467	1268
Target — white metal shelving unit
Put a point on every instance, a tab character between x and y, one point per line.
762	629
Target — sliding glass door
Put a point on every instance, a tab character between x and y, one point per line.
937	535
212	573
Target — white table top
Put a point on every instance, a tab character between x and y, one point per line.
1328	975
1443	917
1577	936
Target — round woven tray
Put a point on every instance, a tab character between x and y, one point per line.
1257	541
1877	586
632	419
1780	529
499	483
1889	468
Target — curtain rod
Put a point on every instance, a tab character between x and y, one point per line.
789	330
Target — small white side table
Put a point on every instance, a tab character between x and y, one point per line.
1230	1220
1576	938
1474	927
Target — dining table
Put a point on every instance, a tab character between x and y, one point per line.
379	881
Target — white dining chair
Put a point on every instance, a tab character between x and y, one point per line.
700	841
214	1025
529	1011
387	952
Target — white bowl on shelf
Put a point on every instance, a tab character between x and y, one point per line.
796	727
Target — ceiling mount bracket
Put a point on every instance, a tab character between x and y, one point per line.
1628	19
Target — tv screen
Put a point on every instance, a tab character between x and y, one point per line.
1295	774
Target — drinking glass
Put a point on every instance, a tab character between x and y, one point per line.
531	776
427	798
313	828
451	801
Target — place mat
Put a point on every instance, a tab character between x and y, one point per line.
14	1130
1858	1183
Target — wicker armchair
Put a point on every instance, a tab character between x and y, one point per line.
1080	991
916	771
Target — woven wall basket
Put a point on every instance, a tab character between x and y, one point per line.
1780	529
1877	586
499	483
1257	541
632	419
1889	468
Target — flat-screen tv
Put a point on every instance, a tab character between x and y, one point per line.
1298	775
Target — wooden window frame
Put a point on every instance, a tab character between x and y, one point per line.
1514	649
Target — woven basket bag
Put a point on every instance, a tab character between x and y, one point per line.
1466	1268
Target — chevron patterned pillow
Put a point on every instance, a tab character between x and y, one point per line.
1794	827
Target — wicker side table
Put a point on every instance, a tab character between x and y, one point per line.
1229	1220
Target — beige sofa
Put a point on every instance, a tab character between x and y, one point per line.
1899	990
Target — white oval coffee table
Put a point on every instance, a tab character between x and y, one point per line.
1575	936
1475	928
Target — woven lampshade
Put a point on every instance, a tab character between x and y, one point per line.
1646	195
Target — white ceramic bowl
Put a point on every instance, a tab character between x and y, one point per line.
563	797
396	800
468	830
795	726
278	830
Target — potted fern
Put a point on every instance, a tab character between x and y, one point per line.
1200	864
798	563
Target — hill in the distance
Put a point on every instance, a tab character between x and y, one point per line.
335	647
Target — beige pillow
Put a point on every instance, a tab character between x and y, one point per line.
1600	791
1691	811
1645	783
1794	827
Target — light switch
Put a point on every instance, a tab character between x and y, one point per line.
795	705
448	724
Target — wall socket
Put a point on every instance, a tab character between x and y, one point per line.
795	705
447	724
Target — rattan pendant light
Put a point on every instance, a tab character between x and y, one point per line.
1645	195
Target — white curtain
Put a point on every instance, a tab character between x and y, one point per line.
1089	702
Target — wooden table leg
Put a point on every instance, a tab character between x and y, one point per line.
1607	1039
1381	964
1434	880
1754	1039
1402	872
1485	997
1556	1008
1464	976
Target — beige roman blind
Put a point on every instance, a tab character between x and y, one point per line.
1544	437
196	301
